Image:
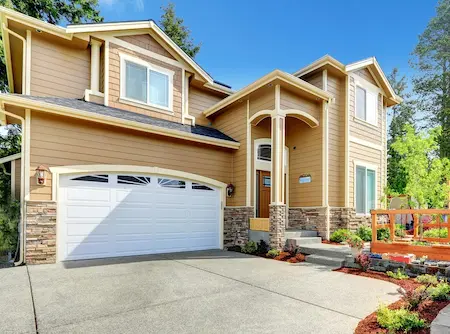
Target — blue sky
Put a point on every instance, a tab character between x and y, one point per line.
243	40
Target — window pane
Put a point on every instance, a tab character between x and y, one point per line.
136	82
159	89
360	103
264	152
360	189
371	190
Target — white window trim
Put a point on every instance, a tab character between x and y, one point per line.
369	88
149	66
367	166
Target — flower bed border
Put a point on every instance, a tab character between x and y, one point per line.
434	252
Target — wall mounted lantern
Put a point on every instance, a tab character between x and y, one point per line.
41	175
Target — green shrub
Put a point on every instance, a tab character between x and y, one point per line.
263	247
440	291
250	248
398	320
400	275
340	235
427	279
273	253
383	234
355	242
400	230
414	297
364	233
9	222
436	233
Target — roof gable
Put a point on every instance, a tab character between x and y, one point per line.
147	42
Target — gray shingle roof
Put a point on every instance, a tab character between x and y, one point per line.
130	116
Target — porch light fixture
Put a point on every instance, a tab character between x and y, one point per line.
41	175
230	190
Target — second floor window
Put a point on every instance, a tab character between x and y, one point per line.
366	105
146	83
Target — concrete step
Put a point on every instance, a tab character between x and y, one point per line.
325	260
303	241
326	250
293	233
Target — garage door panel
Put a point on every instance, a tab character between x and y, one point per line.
139	215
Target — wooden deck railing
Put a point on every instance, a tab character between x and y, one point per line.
440	218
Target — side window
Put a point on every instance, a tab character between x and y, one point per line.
366	105
365	190
265	152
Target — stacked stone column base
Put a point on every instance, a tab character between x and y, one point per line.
40	246
236	224
277	220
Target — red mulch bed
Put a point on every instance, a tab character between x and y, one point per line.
428	310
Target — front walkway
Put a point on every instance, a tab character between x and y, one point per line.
201	292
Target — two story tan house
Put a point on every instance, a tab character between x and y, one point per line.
130	147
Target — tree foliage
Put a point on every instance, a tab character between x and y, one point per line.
179	33
401	114
426	173
432	85
51	11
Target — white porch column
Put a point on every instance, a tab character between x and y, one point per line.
95	65
277	175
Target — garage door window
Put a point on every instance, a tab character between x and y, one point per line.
92	178
198	186
131	179
171	183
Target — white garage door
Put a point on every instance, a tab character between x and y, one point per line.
105	215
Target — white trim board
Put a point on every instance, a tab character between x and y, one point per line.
366	143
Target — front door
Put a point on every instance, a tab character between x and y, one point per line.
263	194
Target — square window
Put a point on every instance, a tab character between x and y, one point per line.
266	181
159	88
136	82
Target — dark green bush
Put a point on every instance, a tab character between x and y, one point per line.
364	233
383	234
340	235
250	248
262	248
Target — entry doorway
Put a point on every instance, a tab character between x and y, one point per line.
263	193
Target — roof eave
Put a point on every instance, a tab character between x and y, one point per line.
90	116
277	74
323	61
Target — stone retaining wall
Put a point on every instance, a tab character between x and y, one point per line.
347	218
40	246
236	224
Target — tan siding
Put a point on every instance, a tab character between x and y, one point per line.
114	85
59	141
18	180
336	142
232	121
264	99
262	130
361	129
315	79
290	100
199	101
58	70
365	74
370	156
146	42
306	158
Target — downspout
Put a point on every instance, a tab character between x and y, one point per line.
24	55
22	186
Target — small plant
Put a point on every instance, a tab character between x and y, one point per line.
399	274
364	261
398	320
415	297
436	233
340	235
262	247
355	242
273	253
427	279
250	247
400	230
440	291
364	233
383	234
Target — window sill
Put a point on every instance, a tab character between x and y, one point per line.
365	123
145	106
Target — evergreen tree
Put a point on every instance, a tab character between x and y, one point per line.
432	60
179	33
401	115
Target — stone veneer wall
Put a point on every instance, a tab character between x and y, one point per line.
236	224
347	218
313	219
40	246
277	219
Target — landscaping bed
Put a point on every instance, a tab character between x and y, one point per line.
289	254
427	310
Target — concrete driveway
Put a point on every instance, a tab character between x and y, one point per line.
201	292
